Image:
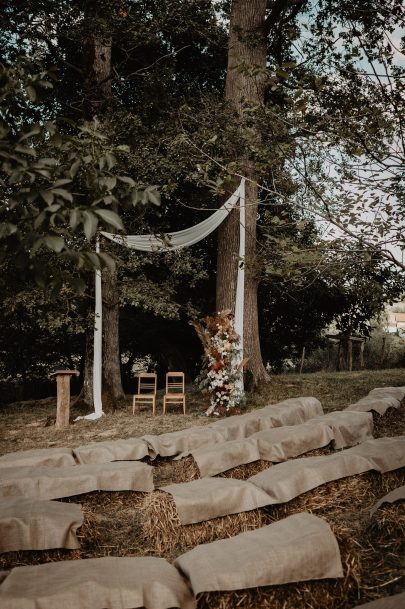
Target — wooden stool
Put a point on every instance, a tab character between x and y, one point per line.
147	382
174	390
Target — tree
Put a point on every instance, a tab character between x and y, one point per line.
292	105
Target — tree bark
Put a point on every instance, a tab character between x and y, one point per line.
247	44
98	93
112	384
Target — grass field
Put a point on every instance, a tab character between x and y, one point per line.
120	523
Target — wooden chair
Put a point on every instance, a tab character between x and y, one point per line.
147	383
174	390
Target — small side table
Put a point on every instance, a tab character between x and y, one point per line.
63	396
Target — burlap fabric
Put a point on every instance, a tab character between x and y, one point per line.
290	412
174	443
349	428
383	454
238	427
287	480
282	443
380	399
221	457
299	548
97	583
208	498
54	483
378	404
27	524
396	392
388	602
43	457
398	494
131	449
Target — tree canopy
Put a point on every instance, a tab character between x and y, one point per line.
153	144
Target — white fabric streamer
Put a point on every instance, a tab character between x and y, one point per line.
240	282
172	241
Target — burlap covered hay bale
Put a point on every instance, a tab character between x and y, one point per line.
384	454
54	483
380	400
207	498
111	527
293	411
322	594
301	547
163	532
176	442
348	427
27	524
131	449
219	458
113	583
396	392
282	443
39	457
287	480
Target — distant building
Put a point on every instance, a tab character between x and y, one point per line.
396	323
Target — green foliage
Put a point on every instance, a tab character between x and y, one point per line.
57	185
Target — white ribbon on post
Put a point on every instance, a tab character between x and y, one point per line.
240	282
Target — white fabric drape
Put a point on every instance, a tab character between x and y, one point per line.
173	241
181	238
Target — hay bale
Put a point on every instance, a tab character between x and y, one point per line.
340	501
163	532
167	471
111	527
243	472
392	423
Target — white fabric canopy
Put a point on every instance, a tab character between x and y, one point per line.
172	241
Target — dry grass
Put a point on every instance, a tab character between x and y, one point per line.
137	524
334	389
23	423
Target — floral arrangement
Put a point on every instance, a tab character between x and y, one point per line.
222	367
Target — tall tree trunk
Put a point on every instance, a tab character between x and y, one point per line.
85	397
247	44
112	384
98	94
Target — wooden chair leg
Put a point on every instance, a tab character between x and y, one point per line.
154	406
184	405
164	404
133	405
